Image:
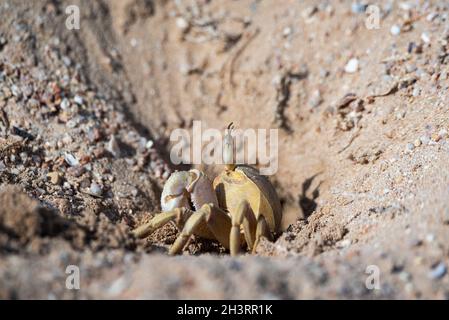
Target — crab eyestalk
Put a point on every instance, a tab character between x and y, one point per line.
229	149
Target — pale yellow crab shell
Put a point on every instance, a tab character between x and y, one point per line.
245	182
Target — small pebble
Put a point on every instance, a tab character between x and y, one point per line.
76	171
113	147
409	147
26	90
23	156
352	65
405	276
65	104
344	243
430	238
395	30
442	133
99	152
85	183
417	143
287	31
94	135
149	144
424	140
410	68
436	137
16	91
54	177
425	37
400	115
78	100
315	99
95	189
182	23
437	271
431	16
71	124
67	185
71	160
66	60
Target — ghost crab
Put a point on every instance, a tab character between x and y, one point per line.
239	206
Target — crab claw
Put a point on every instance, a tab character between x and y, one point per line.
190	189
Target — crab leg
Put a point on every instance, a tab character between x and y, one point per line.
262	230
217	221
189	228
244	216
180	215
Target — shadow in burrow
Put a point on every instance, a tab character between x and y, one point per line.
307	199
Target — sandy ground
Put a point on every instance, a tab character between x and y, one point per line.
363	120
